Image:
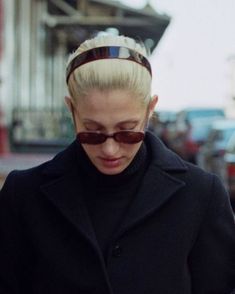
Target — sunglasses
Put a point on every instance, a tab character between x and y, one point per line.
94	138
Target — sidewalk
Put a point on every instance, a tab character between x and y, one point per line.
12	161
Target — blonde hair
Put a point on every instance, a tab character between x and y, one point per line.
108	74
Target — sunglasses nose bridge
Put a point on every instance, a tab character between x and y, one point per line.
111	136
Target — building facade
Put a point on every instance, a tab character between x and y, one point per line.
36	37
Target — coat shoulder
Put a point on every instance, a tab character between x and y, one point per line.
199	185
32	178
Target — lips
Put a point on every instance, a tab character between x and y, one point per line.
111	162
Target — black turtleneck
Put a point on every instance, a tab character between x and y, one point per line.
108	197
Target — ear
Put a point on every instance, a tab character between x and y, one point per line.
69	103
152	104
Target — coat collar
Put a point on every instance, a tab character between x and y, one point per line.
65	191
158	186
162	157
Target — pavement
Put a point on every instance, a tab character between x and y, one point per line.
11	161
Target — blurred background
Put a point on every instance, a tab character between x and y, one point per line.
192	46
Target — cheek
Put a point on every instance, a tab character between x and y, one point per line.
131	150
91	150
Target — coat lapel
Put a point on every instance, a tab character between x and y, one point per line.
65	194
64	189
158	185
157	188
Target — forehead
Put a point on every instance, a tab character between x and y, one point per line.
118	103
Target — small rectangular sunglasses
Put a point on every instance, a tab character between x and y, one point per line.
95	138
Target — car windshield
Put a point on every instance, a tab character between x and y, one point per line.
226	134
200	129
195	114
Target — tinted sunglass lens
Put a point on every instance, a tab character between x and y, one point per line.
91	138
129	137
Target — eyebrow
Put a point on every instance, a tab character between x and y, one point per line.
87	120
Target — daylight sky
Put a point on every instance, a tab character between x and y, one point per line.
192	64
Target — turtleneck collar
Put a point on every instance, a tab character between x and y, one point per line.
89	171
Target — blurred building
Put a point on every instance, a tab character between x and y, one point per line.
35	39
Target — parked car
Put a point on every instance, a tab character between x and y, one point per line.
191	130
211	154
229	158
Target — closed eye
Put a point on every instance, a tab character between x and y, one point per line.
93	127
128	126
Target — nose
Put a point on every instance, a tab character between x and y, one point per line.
110	147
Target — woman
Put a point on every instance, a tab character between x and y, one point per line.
116	212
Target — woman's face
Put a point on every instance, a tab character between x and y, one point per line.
109	112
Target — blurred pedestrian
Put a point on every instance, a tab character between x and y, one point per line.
115	212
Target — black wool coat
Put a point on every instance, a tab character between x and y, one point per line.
178	237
